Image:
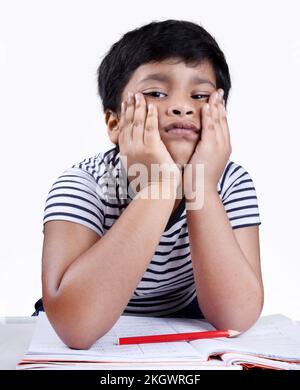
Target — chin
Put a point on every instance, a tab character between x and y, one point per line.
181	153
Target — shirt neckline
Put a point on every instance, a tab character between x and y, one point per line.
174	217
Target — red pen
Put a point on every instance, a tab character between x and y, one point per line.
163	338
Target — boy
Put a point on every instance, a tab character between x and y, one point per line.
164	88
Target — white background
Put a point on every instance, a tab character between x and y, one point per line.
51	118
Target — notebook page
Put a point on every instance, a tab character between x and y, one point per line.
232	358
46	345
211	365
274	336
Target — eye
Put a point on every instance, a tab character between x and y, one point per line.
153	94
202	97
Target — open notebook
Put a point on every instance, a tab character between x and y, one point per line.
273	342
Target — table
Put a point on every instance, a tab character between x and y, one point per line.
15	337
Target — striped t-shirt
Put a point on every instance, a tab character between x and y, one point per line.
83	194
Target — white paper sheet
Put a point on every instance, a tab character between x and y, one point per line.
46	345
274	336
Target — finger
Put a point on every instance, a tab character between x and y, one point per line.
225	126
122	121
129	118
123	145
151	133
215	100
223	118
139	119
206	122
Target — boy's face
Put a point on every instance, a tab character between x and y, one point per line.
179	93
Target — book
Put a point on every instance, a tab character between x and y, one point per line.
273	342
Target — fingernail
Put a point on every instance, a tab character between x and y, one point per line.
221	93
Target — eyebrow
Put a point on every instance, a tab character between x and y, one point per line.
166	79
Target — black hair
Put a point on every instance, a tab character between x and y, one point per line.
154	42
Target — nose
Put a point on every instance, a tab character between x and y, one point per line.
180	110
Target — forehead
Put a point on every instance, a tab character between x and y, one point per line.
173	70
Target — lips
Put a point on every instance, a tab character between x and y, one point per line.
182	125
182	132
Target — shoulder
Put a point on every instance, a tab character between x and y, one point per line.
238	194
233	175
83	180
76	195
98	165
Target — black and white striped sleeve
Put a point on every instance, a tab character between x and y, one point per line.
73	197
239	198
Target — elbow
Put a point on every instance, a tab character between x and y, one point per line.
242	318
74	329
77	343
245	319
247	315
79	336
73	336
243	323
238	322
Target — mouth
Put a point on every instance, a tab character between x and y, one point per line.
182	128
182	132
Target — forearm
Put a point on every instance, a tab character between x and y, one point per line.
97	286
229	291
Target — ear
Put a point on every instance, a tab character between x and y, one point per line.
112	122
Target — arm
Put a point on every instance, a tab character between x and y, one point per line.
86	293
226	266
226	262
84	296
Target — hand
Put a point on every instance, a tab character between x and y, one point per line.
139	140
214	147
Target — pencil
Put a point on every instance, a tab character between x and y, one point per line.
163	338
